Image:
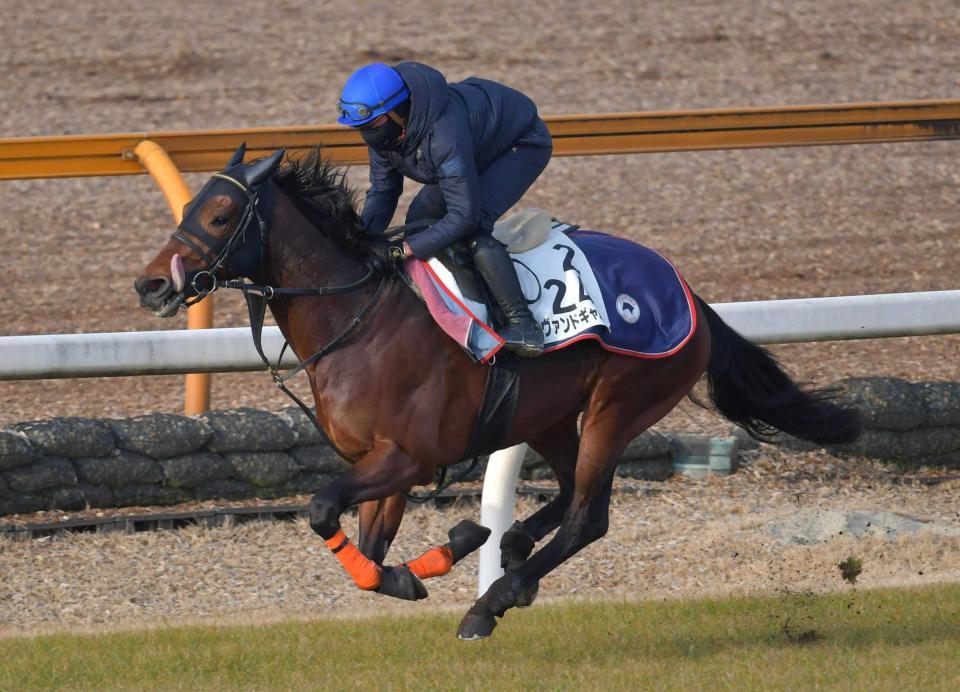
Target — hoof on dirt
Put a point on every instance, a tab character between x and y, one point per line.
478	623
466	537
401	583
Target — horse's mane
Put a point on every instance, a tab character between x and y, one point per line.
321	193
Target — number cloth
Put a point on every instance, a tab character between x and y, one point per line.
580	285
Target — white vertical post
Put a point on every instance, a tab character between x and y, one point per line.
496	509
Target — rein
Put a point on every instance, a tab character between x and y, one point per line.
257	297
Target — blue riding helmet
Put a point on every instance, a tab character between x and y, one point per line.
370	92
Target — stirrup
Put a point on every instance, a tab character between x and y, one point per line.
523	340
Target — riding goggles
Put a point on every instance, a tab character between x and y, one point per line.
359	113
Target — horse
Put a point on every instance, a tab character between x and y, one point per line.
398	398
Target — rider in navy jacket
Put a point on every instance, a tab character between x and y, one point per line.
476	145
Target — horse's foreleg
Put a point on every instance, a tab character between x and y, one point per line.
378	522
385	471
465	537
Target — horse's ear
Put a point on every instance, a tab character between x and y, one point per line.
261	170
238	155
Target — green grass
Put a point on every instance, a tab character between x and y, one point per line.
885	639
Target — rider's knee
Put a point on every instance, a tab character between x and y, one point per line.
480	241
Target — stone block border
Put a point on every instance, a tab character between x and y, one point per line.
161	459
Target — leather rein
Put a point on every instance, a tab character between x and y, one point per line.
257	296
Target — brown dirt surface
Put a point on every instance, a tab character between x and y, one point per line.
740	225
676	539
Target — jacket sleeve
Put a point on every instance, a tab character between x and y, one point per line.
451	151
386	184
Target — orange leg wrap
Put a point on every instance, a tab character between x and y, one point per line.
433	563
365	572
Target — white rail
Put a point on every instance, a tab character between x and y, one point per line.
57	356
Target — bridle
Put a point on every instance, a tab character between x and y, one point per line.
257	296
221	248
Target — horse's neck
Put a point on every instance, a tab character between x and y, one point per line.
299	256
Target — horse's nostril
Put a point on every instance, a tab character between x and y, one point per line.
155	286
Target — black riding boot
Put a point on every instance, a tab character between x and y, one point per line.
522	333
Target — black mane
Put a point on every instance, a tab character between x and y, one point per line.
320	191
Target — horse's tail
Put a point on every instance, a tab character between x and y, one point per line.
750	388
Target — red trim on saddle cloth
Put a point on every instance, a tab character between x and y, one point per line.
637	354
439	310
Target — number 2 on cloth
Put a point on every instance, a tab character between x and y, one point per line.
558	307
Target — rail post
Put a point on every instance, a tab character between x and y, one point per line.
157	162
496	509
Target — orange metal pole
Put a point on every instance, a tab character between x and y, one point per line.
157	163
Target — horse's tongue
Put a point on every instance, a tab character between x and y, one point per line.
176	271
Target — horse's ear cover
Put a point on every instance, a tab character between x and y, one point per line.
263	169
238	155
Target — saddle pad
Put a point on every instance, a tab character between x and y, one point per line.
651	309
555	278
580	285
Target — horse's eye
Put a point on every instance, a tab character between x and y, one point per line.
221	221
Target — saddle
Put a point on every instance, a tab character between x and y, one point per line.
520	232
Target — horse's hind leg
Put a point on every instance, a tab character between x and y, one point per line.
629	399
584	521
558	446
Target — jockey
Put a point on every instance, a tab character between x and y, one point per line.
476	145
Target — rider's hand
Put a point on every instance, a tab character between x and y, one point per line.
386	255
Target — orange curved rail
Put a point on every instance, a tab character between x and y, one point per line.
574	135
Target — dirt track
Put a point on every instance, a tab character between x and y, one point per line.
681	539
740	225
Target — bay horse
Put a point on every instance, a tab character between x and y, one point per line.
398	398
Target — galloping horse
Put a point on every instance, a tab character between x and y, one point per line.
398	398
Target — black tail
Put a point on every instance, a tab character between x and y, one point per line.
750	388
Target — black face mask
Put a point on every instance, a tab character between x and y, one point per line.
387	137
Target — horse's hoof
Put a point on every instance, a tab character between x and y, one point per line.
466	537
528	596
401	583
478	623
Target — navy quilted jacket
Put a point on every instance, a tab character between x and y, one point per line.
453	132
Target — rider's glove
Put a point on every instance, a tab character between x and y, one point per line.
385	256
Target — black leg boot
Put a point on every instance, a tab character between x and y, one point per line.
522	333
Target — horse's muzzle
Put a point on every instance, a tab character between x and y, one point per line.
158	295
